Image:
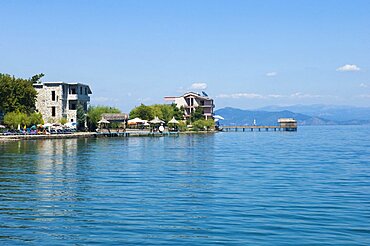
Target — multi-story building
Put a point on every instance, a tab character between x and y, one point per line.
191	100
56	100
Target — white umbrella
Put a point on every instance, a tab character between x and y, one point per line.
218	117
173	121
156	120
1	126
47	125
136	121
103	121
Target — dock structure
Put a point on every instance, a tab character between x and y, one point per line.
285	124
255	128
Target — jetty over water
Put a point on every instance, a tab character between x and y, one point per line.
285	124
256	128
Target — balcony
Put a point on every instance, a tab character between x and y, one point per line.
207	106
78	97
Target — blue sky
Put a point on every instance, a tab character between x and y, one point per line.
245	54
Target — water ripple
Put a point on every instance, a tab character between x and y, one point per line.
309	187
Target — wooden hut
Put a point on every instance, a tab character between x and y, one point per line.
288	124
115	118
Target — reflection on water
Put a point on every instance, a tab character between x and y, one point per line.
228	188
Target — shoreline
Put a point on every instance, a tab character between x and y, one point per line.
89	135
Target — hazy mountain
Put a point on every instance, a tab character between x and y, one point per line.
234	116
342	114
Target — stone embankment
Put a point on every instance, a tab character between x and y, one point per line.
95	135
49	136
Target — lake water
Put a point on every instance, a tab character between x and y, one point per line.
247	188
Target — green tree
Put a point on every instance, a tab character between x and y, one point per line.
36	78
162	111
182	126
35	119
81	117
143	112
197	114
178	113
63	120
94	115
203	125
16	94
13	119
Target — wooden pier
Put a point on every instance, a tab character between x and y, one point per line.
257	128
285	124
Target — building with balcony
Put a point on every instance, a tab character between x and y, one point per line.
191	100
56	100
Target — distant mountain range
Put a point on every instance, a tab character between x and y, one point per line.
304	114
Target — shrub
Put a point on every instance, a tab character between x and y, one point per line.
63	120
13	119
94	115
203	125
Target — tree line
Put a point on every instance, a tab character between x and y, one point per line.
17	100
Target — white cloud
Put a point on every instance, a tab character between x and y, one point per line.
241	95
271	74
275	96
297	95
348	68
363	85
304	95
199	86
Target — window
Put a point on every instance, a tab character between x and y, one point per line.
85	90
72	106
53	95
53	111
72	91
81	90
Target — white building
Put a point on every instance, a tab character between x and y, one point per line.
191	100
57	100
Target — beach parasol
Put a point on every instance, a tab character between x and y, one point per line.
136	121
173	121
1	126
103	121
156	120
